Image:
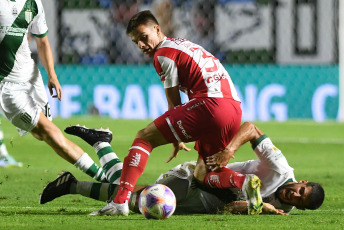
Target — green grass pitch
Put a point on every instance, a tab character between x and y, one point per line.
314	150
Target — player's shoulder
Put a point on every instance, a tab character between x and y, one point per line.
171	47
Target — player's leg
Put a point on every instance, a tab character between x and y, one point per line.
67	184
100	140
47	131
179	124
6	160
133	166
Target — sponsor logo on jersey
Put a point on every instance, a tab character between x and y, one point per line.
8	30
216	77
186	135
28	16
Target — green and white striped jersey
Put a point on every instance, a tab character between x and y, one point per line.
17	18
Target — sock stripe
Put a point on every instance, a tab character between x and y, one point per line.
108	157
93	171
115	176
101	175
104	195
111	191
140	148
95	190
110	164
102	152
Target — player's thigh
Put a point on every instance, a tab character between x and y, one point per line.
185	123
224	124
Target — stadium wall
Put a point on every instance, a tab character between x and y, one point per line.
268	92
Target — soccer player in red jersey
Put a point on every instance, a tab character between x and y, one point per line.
211	117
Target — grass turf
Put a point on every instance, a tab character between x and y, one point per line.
314	150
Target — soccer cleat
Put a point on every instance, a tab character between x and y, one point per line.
91	136
57	188
113	209
8	162
251	188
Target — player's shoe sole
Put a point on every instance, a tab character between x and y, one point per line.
57	188
254	198
113	209
91	136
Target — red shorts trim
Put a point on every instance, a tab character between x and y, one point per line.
211	122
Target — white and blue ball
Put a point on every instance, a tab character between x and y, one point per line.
157	201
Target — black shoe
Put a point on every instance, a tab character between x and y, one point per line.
91	136
57	188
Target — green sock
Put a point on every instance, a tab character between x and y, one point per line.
97	191
87	165
112	166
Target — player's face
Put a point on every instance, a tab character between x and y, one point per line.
147	38
296	194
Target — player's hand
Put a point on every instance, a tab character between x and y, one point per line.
53	83
219	159
175	149
270	209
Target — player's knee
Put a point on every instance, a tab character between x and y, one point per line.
141	134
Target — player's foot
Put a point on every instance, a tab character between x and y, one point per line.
113	209
91	136
57	188
8	162
251	188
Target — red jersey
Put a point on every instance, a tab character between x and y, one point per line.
197	72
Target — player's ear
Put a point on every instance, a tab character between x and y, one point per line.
303	181
158	28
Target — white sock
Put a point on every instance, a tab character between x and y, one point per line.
88	166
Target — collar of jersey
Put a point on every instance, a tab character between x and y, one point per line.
163	40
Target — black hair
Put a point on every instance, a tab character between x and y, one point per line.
316	198
141	18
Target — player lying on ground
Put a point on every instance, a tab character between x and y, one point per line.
280	190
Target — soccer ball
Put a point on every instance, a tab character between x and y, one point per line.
157	201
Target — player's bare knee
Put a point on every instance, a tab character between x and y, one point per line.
141	134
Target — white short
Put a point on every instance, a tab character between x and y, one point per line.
21	103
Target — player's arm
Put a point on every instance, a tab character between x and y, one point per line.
240	207
173	97
46	57
247	132
168	72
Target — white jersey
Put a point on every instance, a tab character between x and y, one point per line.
17	18
272	168
197	72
